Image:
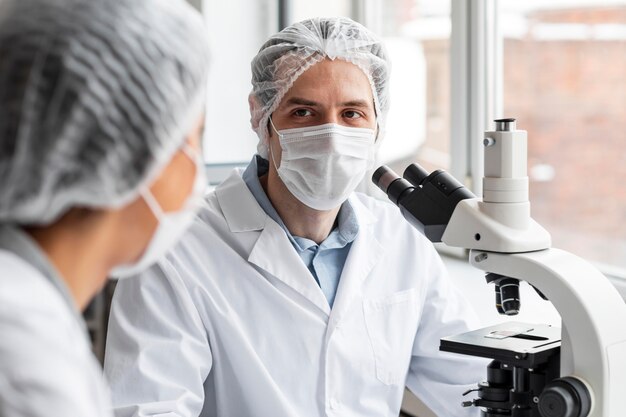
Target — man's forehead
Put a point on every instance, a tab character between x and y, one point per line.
338	79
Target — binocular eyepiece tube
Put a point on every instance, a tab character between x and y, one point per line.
426	200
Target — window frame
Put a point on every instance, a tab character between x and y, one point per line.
484	72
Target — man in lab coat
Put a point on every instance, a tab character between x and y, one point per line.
291	295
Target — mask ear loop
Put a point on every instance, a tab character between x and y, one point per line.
195	157
269	145
153	205
193	154
377	131
195	199
149	198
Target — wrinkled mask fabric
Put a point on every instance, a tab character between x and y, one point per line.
322	165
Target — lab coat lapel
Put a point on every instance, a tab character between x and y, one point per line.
364	254
272	252
239	207
275	254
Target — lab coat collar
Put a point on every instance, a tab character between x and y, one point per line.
241	210
364	216
244	214
274	253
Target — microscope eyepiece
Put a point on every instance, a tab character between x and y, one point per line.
383	177
415	174
391	183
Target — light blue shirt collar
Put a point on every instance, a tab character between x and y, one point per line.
347	223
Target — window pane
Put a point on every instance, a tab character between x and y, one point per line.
229	139
321	8
417	34
565	82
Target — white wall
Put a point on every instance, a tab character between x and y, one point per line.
237	28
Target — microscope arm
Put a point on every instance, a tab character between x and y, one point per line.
594	334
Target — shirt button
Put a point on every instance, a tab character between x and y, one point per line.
334	404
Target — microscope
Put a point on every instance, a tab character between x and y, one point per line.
536	370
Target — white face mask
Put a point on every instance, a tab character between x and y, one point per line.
322	165
171	225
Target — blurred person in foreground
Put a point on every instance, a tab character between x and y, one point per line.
101	110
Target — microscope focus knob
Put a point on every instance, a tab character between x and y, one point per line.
565	397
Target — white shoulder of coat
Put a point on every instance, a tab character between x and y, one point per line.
23	288
46	364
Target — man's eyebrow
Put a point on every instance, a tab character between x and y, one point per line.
356	103
301	102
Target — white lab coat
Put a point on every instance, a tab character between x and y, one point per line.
46	364
233	324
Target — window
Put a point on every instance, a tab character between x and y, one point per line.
237	28
564	79
301	10
417	36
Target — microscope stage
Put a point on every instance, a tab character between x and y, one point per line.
514	343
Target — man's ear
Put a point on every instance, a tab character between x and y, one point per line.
255	111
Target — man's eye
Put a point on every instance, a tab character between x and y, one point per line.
302	113
351	114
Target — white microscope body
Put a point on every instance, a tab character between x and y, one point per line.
512	244
503	239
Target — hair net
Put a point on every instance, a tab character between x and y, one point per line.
289	53
95	98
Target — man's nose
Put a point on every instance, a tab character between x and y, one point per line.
332	118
